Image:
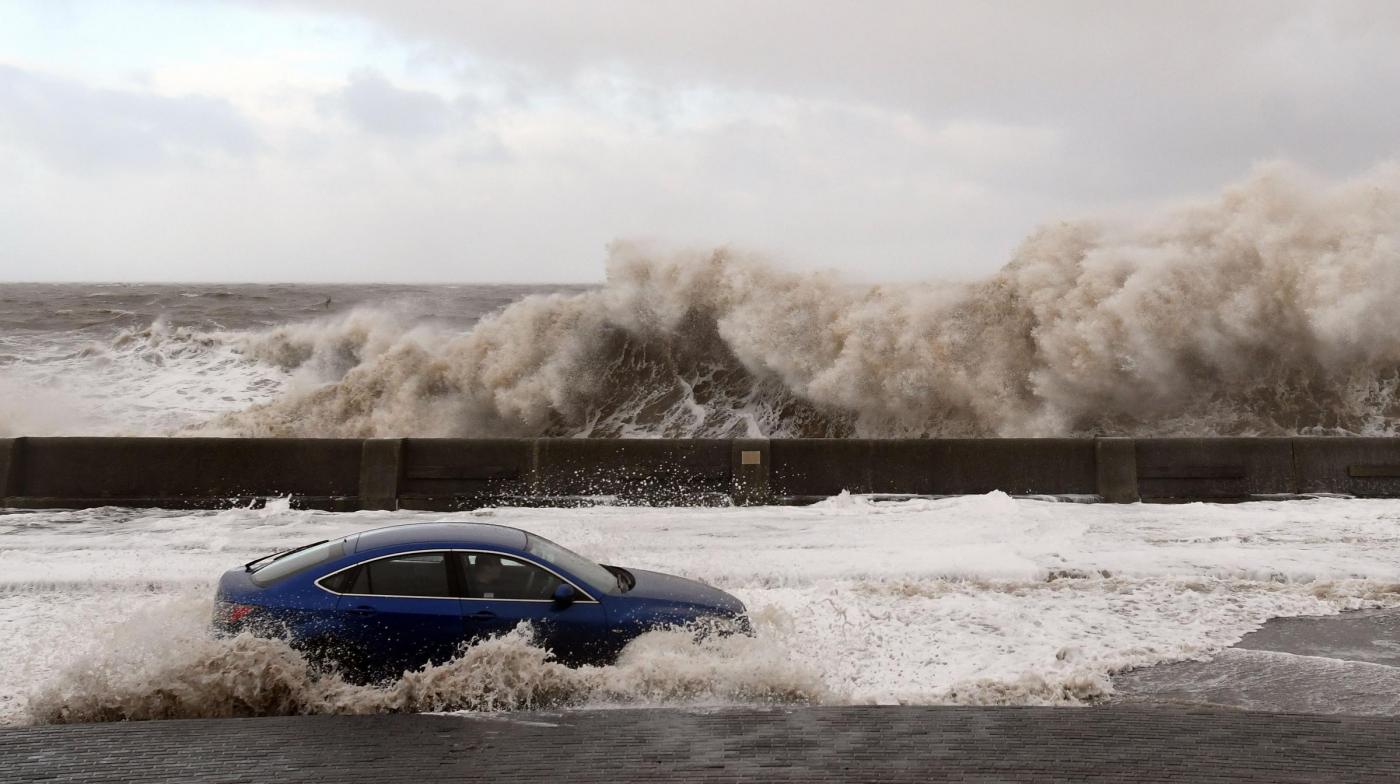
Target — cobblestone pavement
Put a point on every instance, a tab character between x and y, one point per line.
1116	743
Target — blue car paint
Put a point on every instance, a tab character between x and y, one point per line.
380	636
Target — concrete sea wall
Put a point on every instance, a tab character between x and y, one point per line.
443	474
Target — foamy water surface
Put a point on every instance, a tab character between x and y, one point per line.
983	599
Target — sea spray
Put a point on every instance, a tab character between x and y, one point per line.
1266	311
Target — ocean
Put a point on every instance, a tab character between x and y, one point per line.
161	359
1266	311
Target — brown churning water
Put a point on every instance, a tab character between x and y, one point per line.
1266	310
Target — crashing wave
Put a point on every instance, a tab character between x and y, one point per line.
1269	310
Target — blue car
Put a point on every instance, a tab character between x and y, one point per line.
380	602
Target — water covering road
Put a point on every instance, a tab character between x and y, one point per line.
972	600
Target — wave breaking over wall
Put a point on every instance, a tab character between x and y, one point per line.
1269	310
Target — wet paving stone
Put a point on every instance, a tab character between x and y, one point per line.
868	743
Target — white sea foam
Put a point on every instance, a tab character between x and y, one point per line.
154	380
970	600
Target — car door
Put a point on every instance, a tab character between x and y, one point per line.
400	612
503	590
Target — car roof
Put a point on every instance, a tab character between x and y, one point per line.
481	534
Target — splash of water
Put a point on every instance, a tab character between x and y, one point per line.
163	664
1268	310
1264	311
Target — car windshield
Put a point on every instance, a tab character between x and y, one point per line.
572	562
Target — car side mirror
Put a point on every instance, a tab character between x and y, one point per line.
564	595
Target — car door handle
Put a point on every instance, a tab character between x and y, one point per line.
482	615
363	610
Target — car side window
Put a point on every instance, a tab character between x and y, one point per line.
491	576
418	574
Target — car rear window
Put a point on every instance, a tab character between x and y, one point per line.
298	561
409	575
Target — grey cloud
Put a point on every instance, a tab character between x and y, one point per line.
1149	98
1007	53
73	125
893	139
375	105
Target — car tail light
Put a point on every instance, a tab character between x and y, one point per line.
233	613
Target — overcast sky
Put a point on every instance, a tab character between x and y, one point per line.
369	140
